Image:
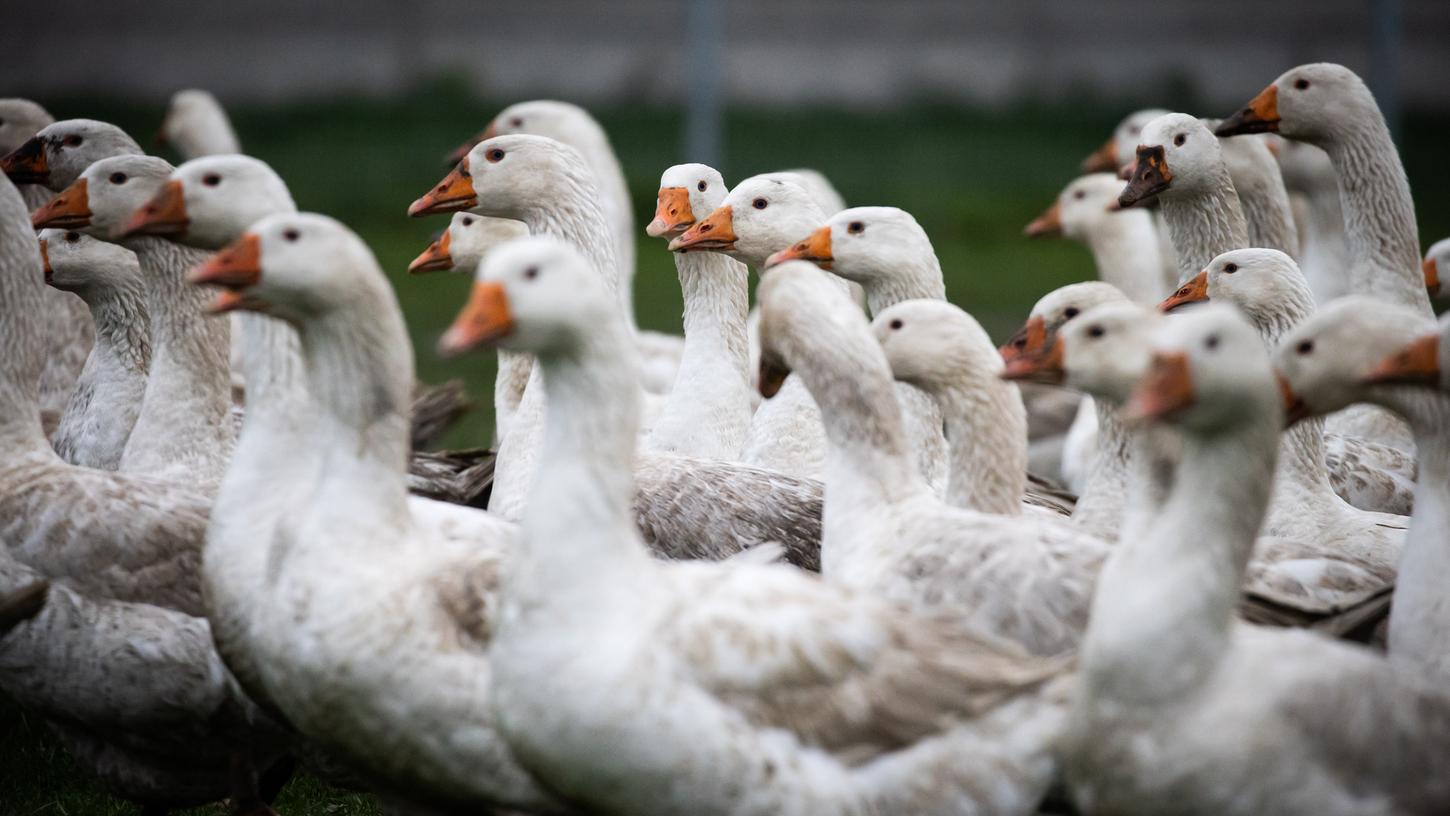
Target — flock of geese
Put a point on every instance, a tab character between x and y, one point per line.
222	555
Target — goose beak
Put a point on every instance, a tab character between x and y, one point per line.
772	376
27	164
1166	389
236	267
816	248
1261	116
435	258
1044	366
716	232
1049	223
70	209
1150	176
1030	339
1432	276
1415	364
1102	160
1294	408
164	214
672	213
461	152
453	193
485	318
1195	291
45	262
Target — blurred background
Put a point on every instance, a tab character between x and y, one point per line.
971	114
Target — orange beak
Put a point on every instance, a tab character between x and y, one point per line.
1415	364
1166	389
1294	408
772	377
464	149
164	214
27	164
672	213
1151	176
1043	366
433	259
1261	116
1432	276
453	193
70	209
235	267
1030	339
1049	223
45	262
816	248
485	318
1192	292
716	232
1102	160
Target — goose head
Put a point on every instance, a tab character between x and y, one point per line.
60	152
1081	209
801	312
102	200
1259	282
1437	261
862	244
1208	373
933	344
1055	309
536	294
761	215
19	120
1327	361
195	124
1118	149
209	202
556	120
1419	363
1177	155
688	193
76	262
1103	353
465	242
505	177
1309	103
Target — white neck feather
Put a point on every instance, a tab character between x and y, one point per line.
1204	225
1125	250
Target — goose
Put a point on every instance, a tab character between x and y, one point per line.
1436	256
103	408
1305	513
1324	257
462	247
1330	107
886	252
197	125
184	430
1122	241
1259	183
884	530
1172	707
708	411
795	711
416	591
1364	348
1118	152
1180	163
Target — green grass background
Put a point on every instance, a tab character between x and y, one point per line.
972	178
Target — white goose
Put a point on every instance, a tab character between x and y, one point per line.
103	408
1436	257
184	430
197	125
1324	257
1026	578
1259	184
1117	153
1122	241
1175	695
795	711
1362	348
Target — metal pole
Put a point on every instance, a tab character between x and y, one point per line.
705	67
1386	31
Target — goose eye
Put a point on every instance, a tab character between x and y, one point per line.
211	179
1079	195
531	273
495	155
72	237
1230	268
1071	312
72	141
1096	331
291	235
701	186
1135	130
896	324
1306	347
1179	140
468	222
1301	84
855	228
1211	342
516	122
759	203
118	178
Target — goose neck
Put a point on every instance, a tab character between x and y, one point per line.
986	430
1125	252
917	277
716	290
573	214
1205	223
21	304
1100	507
122	323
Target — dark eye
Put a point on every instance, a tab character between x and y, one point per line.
291	235
495	155
1079	195
1306	347
118	178
855	228
72	141
1230	268
896	324
759	203
1135	130
468	222
1071	312
72	237
1096	331
1301	84
516	122
1211	342
701	186
531	273
211	179
1179	140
